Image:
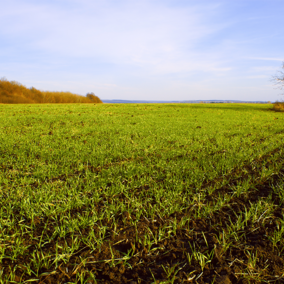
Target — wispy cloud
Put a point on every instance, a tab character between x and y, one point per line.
267	58
133	47
257	77
146	34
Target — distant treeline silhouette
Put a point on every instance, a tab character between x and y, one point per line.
12	92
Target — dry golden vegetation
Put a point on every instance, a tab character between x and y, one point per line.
12	92
278	106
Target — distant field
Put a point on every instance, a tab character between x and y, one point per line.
148	193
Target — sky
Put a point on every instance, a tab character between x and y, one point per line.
145	49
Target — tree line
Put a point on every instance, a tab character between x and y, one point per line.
12	92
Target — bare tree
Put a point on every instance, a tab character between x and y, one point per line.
92	97
278	79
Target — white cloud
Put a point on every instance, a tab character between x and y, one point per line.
126	48
145	34
262	69
267	58
257	77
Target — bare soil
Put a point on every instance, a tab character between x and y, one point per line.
230	264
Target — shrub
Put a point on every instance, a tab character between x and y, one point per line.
278	106
15	93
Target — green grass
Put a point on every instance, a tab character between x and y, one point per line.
92	192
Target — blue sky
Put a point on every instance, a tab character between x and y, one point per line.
145	49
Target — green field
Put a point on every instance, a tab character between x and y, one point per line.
144	193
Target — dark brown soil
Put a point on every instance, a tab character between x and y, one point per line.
230	263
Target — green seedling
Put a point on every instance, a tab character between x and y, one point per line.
75	179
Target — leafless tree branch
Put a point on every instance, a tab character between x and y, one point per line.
278	79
